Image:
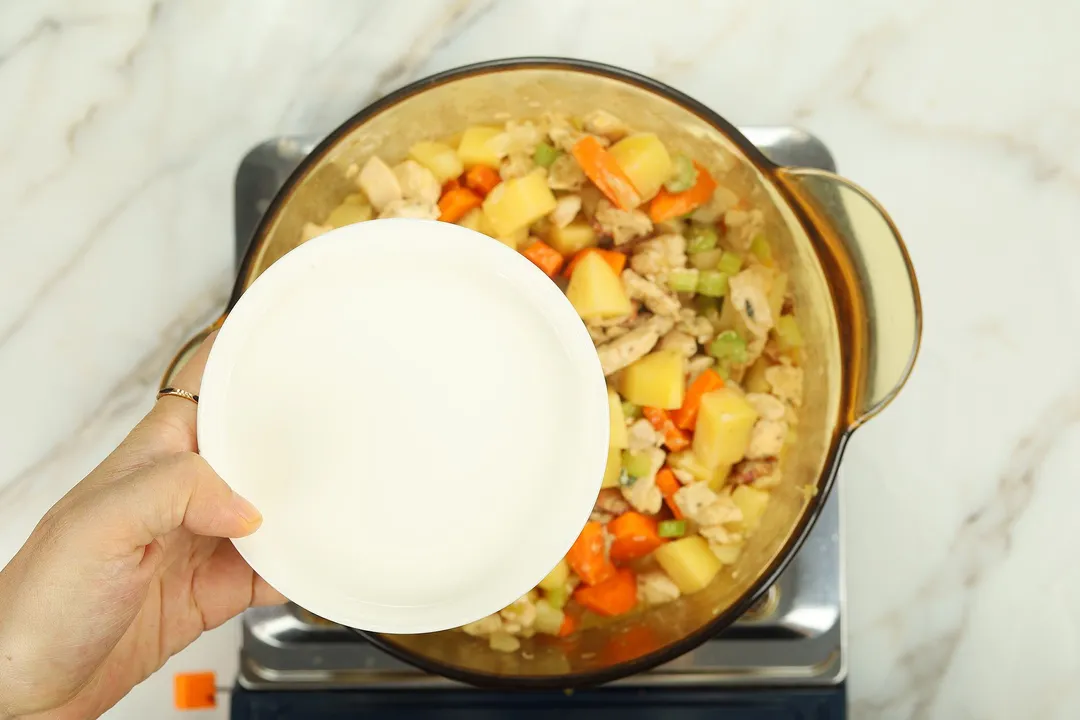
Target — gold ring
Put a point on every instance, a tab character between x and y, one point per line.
178	393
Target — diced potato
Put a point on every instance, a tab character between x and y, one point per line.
752	502
439	158
788	335
557	578
618	436
519	202
595	291
572	238
656	380
476	220
475	147
548	619
645	161
754	381
515	239
719	477
727	554
356	198
347	214
686	460
689	562
612	469
724	422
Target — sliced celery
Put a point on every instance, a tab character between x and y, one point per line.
636	464
671	528
683	280
707	260
545	155
683	175
701	238
759	246
730	263
712	283
630	410
728	346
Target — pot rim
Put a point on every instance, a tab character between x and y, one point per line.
843	431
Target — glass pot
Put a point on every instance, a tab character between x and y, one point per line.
855	293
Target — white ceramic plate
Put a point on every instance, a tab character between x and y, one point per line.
420	416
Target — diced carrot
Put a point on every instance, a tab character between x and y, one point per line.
614	596
667	205
451	184
613	258
569	625
456	202
587	558
194	691
635	536
482	179
674	438
686	416
600	167
630	644
669	485
544	257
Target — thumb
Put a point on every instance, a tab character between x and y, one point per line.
180	490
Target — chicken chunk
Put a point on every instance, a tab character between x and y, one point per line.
606	125
759	473
697	365
749	293
698	502
565	174
721	201
656	298
566	209
418	184
619	353
562	132
643	493
656	588
622	225
609	505
719	535
679	342
766	439
407	209
742	227
484	626
379	183
516	165
642	436
518	615
767	406
654	258
695	326
786	382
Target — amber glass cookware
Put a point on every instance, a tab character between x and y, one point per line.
854	287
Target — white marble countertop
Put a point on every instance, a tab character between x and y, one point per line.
122	123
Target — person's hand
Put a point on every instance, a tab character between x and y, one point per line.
125	570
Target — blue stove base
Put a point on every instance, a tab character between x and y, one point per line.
603	704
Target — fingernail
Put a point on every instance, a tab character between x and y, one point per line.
246	510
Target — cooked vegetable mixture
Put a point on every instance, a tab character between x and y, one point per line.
673	275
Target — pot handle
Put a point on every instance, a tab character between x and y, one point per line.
881	273
187	350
